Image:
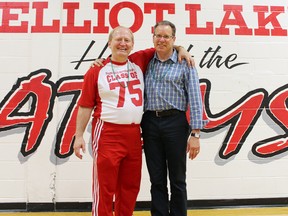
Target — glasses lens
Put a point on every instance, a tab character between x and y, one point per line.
166	37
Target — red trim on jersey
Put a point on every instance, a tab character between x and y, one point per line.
142	58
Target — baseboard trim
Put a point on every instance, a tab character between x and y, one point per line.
144	205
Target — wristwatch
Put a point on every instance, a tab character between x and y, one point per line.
197	135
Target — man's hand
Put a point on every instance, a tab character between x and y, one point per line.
184	54
193	147
82	119
98	62
79	144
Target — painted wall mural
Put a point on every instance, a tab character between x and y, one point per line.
40	92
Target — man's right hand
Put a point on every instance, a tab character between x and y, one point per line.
79	144
98	62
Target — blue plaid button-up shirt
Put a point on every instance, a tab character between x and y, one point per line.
174	85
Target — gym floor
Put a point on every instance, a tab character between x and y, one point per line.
262	211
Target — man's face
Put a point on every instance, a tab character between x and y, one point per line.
163	39
121	44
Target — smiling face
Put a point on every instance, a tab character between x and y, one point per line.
163	40
121	42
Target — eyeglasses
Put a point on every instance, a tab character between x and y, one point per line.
166	37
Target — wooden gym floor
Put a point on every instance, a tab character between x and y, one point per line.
262	211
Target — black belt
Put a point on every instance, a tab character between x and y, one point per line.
165	113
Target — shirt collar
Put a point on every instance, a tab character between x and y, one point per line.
172	58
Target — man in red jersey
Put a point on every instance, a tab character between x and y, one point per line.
114	93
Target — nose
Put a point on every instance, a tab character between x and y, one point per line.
122	41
